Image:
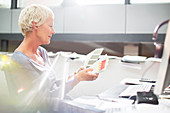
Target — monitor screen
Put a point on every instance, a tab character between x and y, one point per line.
163	77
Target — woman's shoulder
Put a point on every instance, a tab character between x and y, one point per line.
19	57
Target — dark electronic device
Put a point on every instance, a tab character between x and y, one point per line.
147	97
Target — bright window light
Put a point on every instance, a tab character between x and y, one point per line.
149	1
23	3
97	2
5	3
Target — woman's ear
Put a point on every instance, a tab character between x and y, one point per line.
34	25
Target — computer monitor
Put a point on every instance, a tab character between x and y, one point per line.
163	77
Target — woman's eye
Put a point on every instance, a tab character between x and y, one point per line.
50	26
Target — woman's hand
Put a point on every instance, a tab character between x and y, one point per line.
85	75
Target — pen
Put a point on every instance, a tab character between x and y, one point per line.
107	99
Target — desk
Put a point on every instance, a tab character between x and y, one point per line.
111	77
115	72
76	107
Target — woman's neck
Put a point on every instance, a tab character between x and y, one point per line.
31	51
28	45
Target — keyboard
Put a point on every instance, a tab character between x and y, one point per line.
132	90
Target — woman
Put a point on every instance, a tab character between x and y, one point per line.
37	86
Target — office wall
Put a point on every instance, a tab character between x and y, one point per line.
95	19
5	20
116	19
144	18
14	20
132	23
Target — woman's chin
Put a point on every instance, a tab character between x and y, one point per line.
46	43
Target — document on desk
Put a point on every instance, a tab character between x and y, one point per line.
112	92
104	104
132	81
149	108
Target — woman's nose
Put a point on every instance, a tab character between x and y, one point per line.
53	32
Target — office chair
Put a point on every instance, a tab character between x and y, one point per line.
11	100
20	100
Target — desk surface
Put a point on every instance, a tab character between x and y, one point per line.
92	104
116	71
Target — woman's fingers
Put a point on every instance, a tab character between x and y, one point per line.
86	75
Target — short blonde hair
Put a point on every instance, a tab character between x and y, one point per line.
35	12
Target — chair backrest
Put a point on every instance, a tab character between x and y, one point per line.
4	93
8	70
3	85
16	79
10	100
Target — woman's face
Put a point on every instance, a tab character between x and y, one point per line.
45	31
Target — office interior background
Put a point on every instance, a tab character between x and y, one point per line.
121	27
